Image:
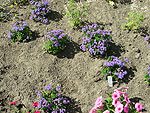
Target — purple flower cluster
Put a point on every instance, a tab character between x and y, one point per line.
40	10
147	38
51	100
147	77
95	41
114	67
57	40
20	32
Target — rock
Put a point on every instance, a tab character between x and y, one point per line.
137	55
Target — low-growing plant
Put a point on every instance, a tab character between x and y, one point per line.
51	100
75	12
95	41
56	41
19	2
134	21
17	110
147	76
118	102
20	32
147	38
40	11
34	1
114	67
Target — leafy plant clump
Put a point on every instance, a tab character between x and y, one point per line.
51	100
147	76
95	41
19	2
17	110
134	21
56	41
20	32
75	12
40	11
118	102
114	67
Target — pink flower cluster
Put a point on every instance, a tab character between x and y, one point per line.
117	96
116	102
98	105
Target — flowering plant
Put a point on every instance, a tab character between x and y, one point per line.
147	77
40	11
56	41
118	102
114	67
51	100
95	41
147	38
75	12
16	110
20	32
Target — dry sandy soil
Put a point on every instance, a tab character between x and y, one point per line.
25	67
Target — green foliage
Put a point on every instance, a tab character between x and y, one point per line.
20	2
20	32
147	76
75	12
134	21
56	43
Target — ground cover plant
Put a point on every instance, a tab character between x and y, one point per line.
19	2
114	67
40	11
118	102
52	100
147	76
95	41
56	41
20	32
134	20
75	12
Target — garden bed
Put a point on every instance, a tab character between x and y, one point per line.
25	67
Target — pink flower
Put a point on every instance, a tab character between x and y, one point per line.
116	102
126	108
119	108
93	110
115	95
122	88
106	111
37	111
99	100
99	103
13	103
35	104
138	106
126	99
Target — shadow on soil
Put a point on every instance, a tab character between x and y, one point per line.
54	16
35	35
123	1
73	107
127	78
115	50
71	49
